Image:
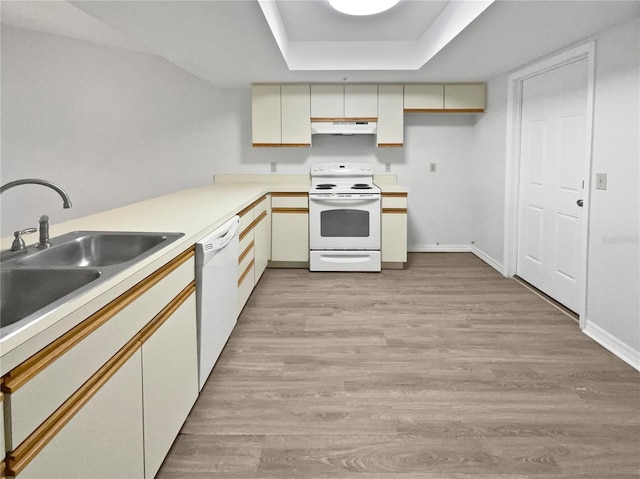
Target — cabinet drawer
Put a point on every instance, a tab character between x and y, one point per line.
289	200
245	238
393	201
246	217
260	206
245	285
247	255
35	391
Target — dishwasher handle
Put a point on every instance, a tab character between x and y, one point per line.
207	247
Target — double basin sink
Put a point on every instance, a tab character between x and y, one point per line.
38	282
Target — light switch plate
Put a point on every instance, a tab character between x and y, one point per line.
601	181
387	167
274	167
432	167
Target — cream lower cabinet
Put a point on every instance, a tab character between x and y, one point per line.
254	246
104	439
170	382
394	229
290	227
75	409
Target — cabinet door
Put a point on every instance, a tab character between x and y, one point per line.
265	115
105	437
170	381
327	101
296	115
394	238
465	98
423	98
360	101
390	115
290	236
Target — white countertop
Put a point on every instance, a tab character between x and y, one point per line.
194	212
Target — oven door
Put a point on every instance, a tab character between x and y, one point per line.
345	223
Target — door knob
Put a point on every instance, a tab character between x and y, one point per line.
580	203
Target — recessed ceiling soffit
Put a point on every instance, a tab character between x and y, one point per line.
312	36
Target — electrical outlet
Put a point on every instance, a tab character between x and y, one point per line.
387	167
432	167
274	167
601	181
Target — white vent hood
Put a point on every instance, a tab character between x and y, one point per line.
343	127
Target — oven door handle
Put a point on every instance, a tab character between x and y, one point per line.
345	201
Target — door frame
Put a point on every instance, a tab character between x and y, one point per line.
512	190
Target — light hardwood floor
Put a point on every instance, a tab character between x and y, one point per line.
443	370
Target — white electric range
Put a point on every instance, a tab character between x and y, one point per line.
344	218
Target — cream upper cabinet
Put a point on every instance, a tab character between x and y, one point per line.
280	115
361	101
344	101
423	98
295	103
448	98
327	101
465	98
390	115
266	128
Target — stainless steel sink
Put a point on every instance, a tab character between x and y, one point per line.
40	281
25	291
86	248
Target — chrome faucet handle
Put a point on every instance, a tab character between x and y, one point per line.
18	242
44	233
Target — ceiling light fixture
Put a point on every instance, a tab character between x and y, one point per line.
362	7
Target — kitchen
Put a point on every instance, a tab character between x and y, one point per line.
113	119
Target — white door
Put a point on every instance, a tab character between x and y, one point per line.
552	164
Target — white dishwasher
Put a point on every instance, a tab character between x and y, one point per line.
216	293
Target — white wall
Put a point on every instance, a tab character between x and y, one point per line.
110	126
488	172
613	304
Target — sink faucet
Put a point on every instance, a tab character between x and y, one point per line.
44	219
66	202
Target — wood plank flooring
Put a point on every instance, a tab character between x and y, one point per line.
443	370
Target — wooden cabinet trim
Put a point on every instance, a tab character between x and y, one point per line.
246	209
22	373
166	312
444	110
402	211
296	194
246	251
394	195
281	145
18	459
246	271
323	119
390	145
290	210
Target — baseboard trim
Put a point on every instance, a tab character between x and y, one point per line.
439	248
613	344
488	259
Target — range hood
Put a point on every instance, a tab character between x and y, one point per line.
343	127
